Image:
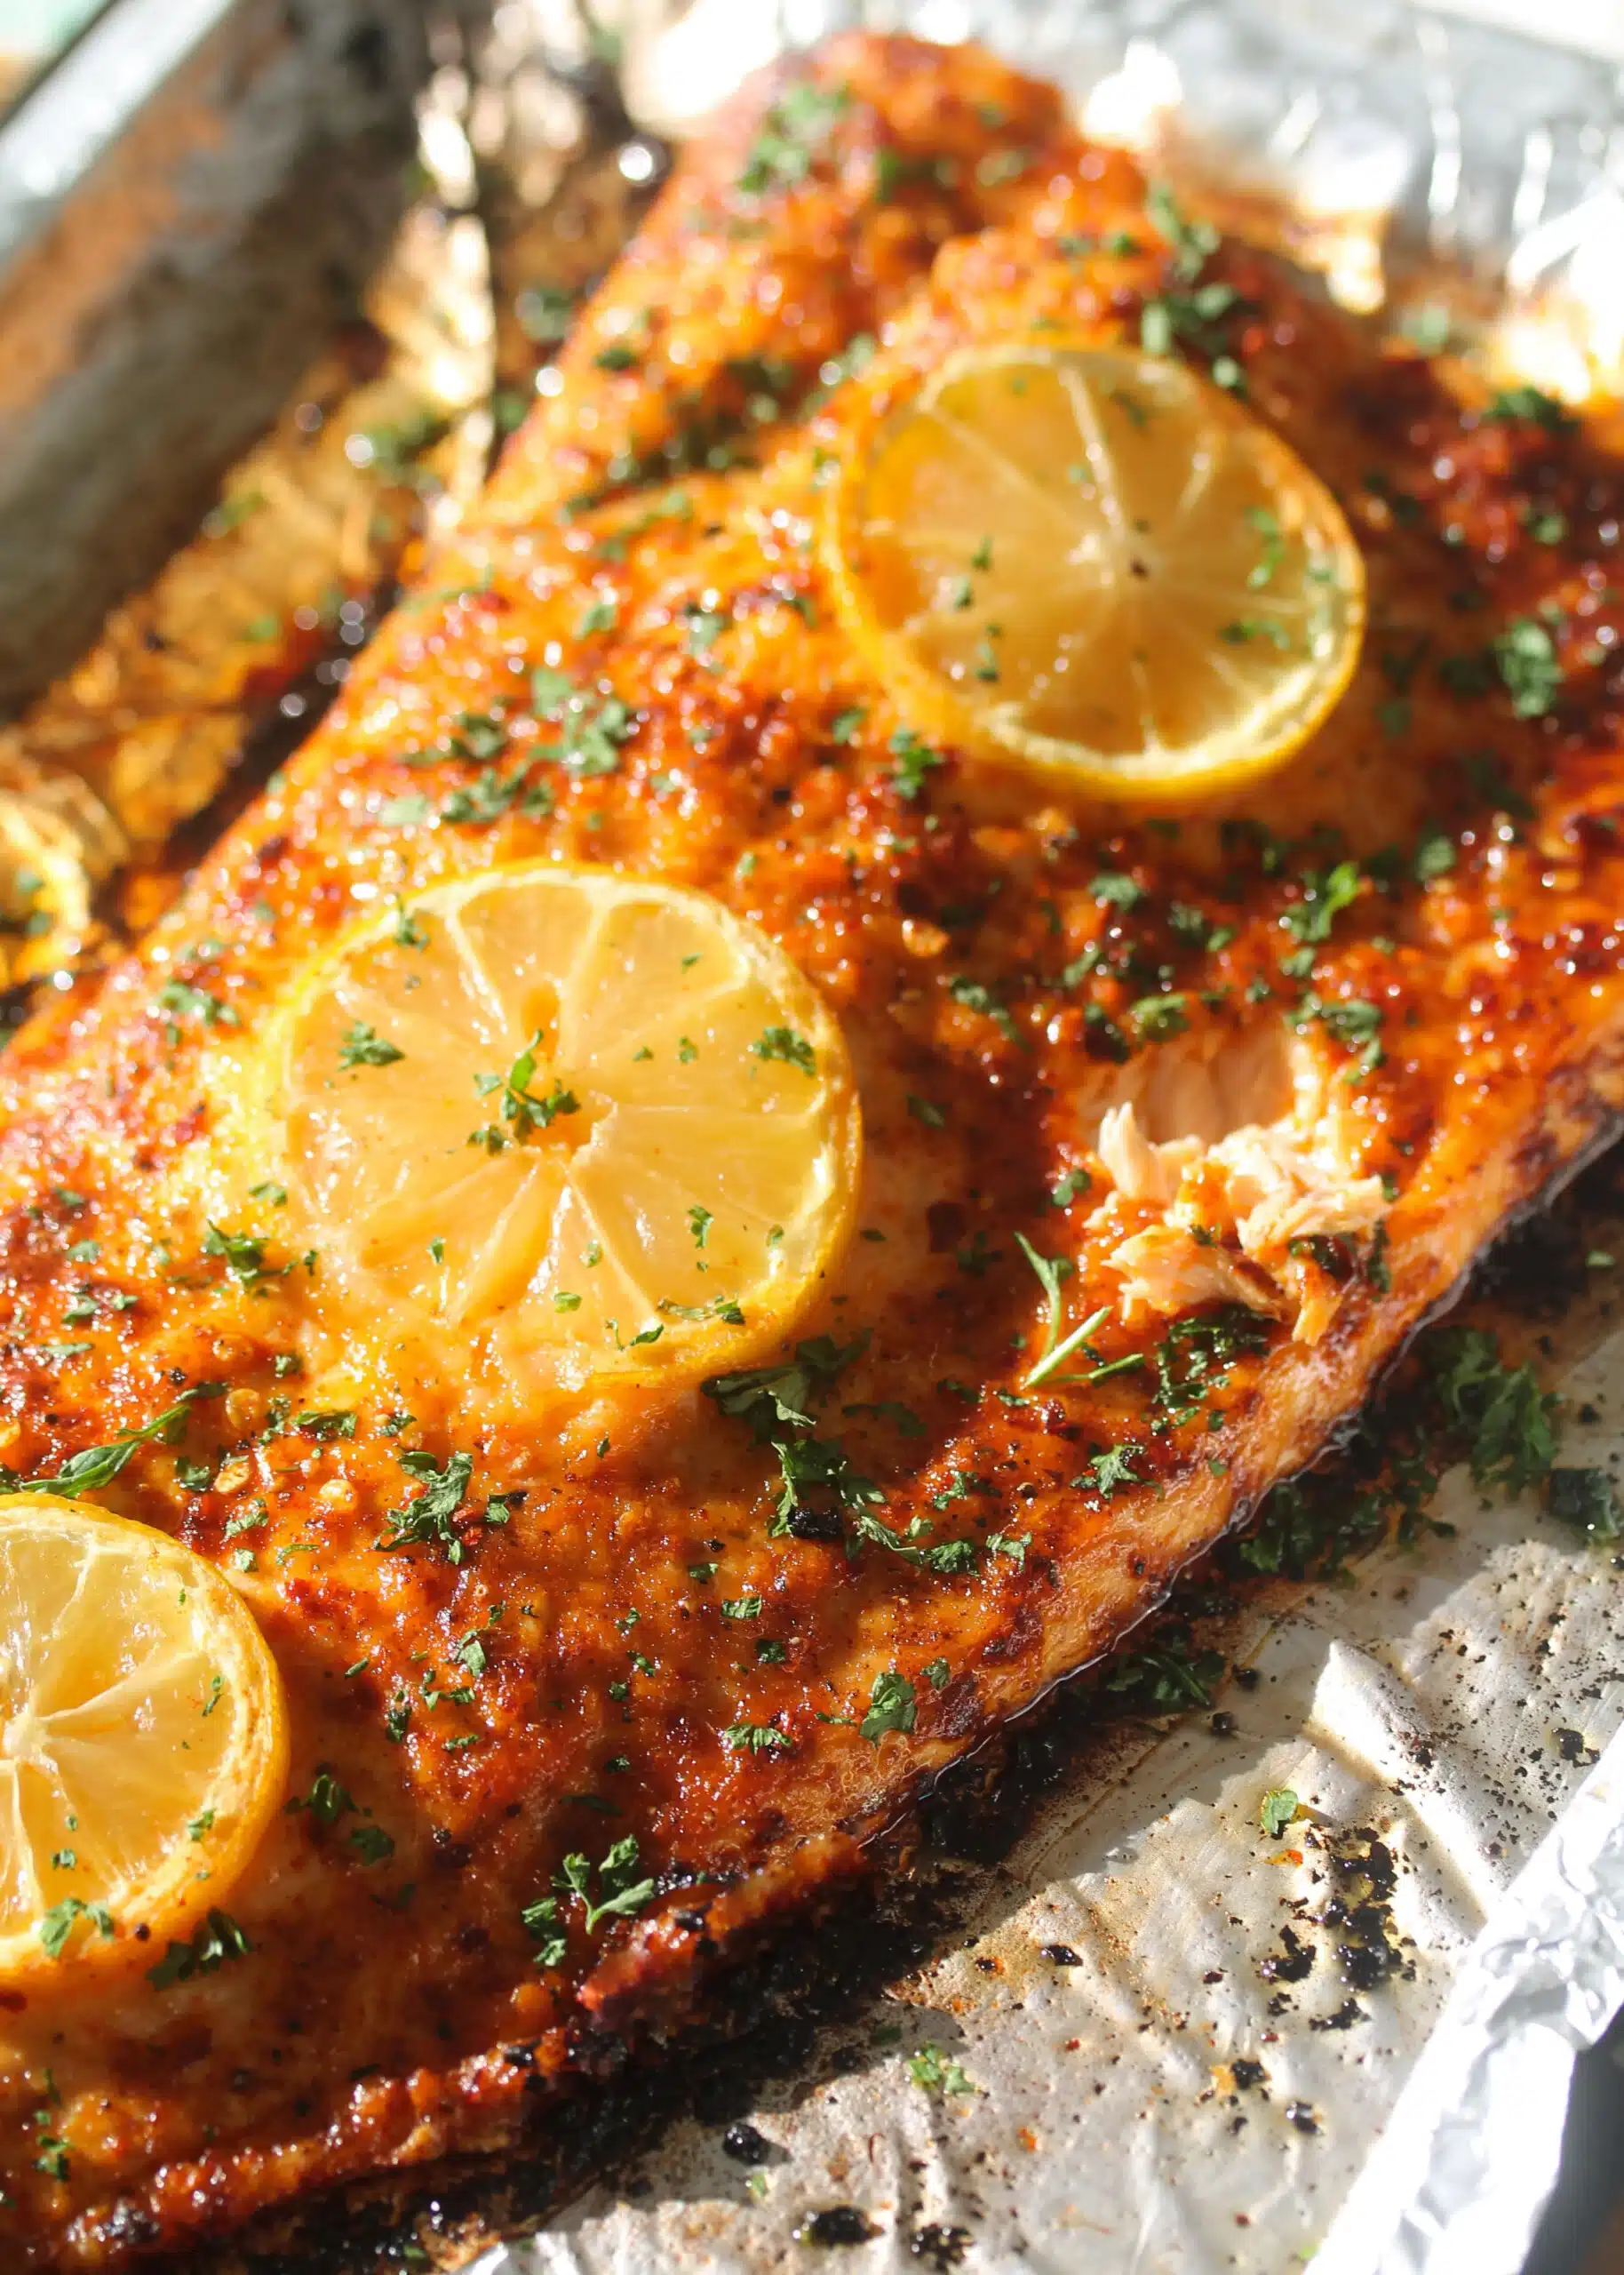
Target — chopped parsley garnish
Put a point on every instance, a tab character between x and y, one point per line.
1193	242
1193	314
891	1707
1430	328
706	627
1240	629
327	1422
793	133
1529	665
915	762
754	1738
244	1256
361	1045
218	1939
327	1801
620	1894
1277	1809
540	1919
975	995
784	1043
520	1106
183	1001
429	1518
88	1471
591	733
58	1924
938	2073
1504	1413
776	1402
1585	1498
489	795
545	312
1377	1270
947	1557
1197	928
977	1256
408	811
51	2156
1196	1356
1509	405
1353	1021
1325	893
1157	1019
1167	1676
1273	546
1433	855
724	1308
1113	1468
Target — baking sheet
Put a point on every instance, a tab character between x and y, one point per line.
1133	2067
190	199
1153	2043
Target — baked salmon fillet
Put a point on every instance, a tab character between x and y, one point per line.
591	1685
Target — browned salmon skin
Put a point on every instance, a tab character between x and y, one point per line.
1269	1080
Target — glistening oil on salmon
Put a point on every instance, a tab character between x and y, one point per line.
1131	1124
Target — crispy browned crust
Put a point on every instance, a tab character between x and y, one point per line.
368	2031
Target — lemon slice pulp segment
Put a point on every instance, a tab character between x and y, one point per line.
143	1739
1093	565
564	1124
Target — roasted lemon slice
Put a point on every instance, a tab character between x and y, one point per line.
1092	564
562	1124
144	1745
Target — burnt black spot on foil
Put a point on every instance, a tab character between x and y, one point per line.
1360	1911
841	2225
1348	2013
1293	1962
746	2145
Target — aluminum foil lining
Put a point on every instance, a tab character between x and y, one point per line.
1157	2045
1446	2188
